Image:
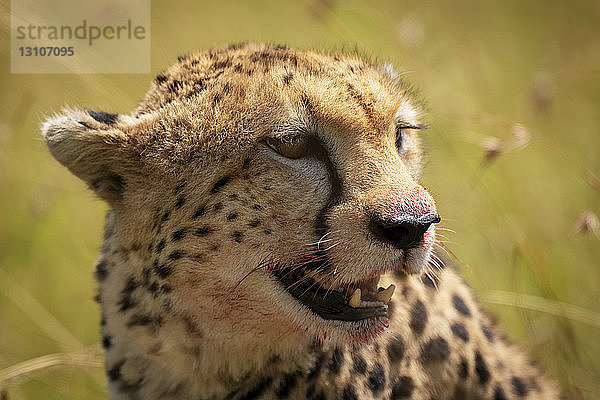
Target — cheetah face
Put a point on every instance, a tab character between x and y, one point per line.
266	189
365	217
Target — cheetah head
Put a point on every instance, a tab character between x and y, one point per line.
258	193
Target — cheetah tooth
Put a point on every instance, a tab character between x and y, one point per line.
385	295
354	300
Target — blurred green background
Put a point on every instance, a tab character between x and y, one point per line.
513	159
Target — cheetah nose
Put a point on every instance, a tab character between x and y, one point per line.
403	232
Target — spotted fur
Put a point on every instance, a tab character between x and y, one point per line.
202	211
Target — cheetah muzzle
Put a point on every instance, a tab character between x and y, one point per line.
360	300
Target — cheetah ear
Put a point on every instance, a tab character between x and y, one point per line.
92	147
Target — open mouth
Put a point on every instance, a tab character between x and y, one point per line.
357	301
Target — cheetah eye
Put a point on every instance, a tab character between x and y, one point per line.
293	148
400	129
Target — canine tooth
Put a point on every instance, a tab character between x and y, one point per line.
385	295
354	300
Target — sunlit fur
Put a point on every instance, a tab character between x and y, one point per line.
202	211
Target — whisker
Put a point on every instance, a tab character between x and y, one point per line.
303	278
320	240
438	261
316	244
436	280
310	287
441	235
332	246
447	251
430	278
323	240
309	261
435	264
441	245
437	277
261	265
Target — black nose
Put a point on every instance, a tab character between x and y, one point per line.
403	232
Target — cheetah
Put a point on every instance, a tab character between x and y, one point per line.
267	237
